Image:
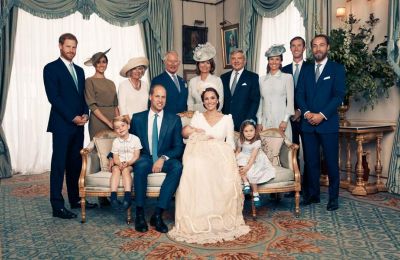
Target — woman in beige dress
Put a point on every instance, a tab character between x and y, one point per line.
100	95
133	93
209	199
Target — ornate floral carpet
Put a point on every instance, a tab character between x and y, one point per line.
363	228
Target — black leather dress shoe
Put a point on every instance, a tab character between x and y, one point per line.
140	224
126	204
333	204
88	205
157	222
63	213
309	201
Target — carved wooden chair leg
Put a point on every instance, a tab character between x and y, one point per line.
297	204
83	209
128	216
253	207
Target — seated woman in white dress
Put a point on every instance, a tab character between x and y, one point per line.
204	56
209	199
277	94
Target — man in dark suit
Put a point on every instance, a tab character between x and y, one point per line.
241	90
160	134
177	92
318	95
64	83
297	47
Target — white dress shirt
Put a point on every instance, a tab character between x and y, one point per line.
233	77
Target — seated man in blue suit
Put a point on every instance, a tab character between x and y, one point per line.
318	95
160	134
177	92
241	90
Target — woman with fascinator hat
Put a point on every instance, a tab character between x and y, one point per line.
100	95
277	94
133	93
204	56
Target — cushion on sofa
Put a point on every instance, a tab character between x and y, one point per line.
103	147
271	145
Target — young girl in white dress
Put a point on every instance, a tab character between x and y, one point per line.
254	165
126	150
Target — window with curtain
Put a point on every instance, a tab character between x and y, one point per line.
36	44
280	30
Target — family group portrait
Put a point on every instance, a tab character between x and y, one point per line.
183	129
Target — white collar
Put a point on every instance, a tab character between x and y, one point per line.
323	62
66	62
123	140
152	113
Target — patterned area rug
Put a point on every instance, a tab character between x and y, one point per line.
363	228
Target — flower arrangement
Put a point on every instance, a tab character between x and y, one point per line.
368	73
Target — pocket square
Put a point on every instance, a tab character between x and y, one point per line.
244	84
327	77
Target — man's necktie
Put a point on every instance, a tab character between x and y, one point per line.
296	74
154	139
317	72
234	83
176	82
74	77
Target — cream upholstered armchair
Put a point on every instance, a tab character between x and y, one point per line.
94	180
282	153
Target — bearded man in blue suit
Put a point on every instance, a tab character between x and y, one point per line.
65	86
177	92
320	91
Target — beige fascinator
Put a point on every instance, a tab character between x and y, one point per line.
204	52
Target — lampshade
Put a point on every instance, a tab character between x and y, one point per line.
341	12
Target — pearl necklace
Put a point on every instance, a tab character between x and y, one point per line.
134	86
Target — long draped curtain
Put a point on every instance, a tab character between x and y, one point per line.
278	30
250	30
7	38
157	13
393	183
27	110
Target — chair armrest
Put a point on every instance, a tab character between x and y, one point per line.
86	163
288	158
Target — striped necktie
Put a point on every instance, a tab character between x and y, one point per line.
317	72
296	74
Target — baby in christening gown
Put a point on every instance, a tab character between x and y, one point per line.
209	200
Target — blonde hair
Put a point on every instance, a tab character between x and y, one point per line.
124	119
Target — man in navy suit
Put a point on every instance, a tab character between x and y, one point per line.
241	90
177	92
64	83
318	95
160	134
297	47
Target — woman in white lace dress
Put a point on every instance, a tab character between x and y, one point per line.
204	56
209	199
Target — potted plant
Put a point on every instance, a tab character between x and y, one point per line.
368	73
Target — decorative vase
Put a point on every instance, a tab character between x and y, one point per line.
342	109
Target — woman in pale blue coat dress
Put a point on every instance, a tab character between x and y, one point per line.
277	94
